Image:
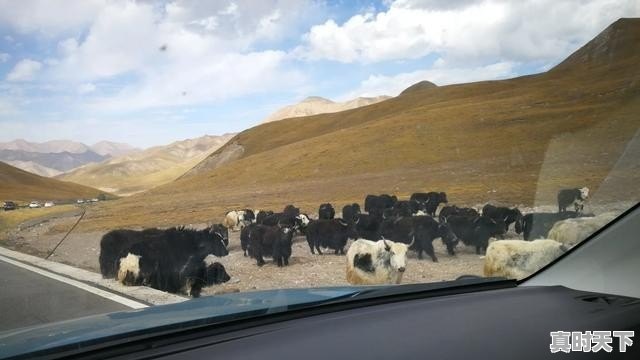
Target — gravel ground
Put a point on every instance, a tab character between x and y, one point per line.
305	270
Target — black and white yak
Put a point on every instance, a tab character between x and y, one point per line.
174	260
575	197
376	262
236	219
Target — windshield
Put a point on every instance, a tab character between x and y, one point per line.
155	152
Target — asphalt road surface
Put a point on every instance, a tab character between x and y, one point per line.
28	298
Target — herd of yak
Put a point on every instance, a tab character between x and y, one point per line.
183	260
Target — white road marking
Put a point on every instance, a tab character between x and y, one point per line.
140	293
105	294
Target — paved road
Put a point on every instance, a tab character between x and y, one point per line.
28	298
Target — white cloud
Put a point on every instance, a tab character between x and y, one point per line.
123	38
4	57
435	4
48	17
231	9
168	62
184	52
86	88
195	82
541	30
440	74
24	70
244	22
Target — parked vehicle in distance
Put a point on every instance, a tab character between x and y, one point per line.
9	205
94	200
49	204
80	201
34	205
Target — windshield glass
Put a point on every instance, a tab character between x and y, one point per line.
153	152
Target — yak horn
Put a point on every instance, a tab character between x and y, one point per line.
412	241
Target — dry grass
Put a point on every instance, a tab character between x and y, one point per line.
11	219
19	185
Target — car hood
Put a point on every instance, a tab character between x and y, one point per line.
91	330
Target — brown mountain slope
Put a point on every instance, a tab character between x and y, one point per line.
616	47
515	141
19	185
143	170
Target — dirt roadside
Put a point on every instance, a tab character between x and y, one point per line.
81	249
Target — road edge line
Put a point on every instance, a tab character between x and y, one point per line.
140	293
88	288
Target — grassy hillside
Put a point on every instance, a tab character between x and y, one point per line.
22	186
515	141
146	169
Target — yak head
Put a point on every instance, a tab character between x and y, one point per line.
396	253
209	242
350	227
516	216
447	235
220	231
216	274
520	225
302	220
584	193
356	208
248	216
291	210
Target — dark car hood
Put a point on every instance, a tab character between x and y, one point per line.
207	310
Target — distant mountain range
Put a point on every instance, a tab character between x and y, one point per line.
61	161
142	170
314	105
105	148
113	149
54	157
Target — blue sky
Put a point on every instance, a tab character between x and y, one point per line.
148	73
